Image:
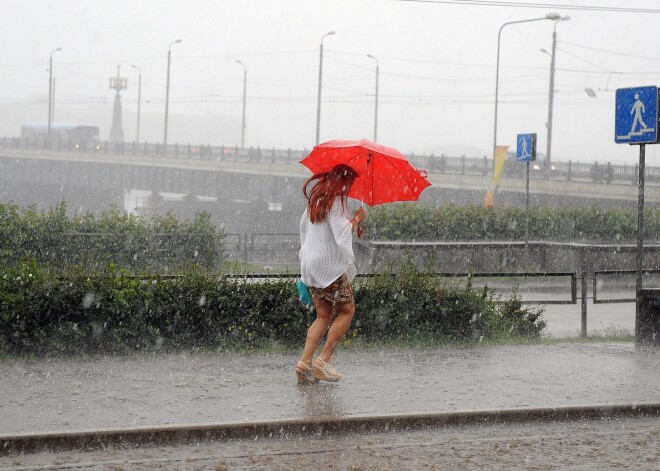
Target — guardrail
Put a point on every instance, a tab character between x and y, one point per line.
598	172
265	249
607	286
510	282
624	287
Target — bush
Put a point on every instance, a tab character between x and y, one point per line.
515	321
113	237
43	311
413	221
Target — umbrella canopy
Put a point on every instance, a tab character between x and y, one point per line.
384	173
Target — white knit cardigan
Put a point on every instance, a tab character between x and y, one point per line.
326	248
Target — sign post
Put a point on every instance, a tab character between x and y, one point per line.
637	123
526	152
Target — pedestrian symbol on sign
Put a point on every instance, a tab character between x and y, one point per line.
636	115
526	148
525	153
638	108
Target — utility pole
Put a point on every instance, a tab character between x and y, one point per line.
376	110
50	93
244	92
318	100
167	92
52	112
551	92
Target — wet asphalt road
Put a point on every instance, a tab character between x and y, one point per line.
112	392
626	444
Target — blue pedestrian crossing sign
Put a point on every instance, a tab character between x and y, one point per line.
636	115
526	148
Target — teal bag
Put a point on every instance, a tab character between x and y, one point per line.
303	294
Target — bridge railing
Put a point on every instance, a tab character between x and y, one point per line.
597	172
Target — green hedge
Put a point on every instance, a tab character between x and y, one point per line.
90	242
413	221
49	312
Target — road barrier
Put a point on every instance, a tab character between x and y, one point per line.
568	171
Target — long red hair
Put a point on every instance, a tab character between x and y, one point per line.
330	185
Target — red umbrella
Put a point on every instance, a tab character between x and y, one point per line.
384	173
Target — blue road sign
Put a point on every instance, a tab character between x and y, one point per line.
526	148
636	115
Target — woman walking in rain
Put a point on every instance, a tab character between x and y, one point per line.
327	266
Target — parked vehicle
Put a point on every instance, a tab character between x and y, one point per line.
63	136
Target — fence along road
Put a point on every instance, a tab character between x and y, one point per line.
597	181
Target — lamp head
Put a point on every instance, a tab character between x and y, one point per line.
553	16
329	33
169	48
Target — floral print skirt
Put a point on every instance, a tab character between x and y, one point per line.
339	291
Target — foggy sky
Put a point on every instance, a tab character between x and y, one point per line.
437	71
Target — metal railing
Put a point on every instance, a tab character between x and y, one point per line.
265	249
623	287
507	282
597	172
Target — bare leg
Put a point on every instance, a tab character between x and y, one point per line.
317	329
338	329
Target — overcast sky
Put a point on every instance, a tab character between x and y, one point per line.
437	70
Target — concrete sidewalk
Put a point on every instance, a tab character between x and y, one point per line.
113	393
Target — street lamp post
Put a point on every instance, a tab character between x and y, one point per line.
551	93
50	92
376	110
167	91
318	101
244	91
52	101
137	133
549	16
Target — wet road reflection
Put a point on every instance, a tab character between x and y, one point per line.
112	392
323	399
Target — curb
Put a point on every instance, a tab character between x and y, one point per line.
85	440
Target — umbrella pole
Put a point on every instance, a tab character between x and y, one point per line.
366	180
360	232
